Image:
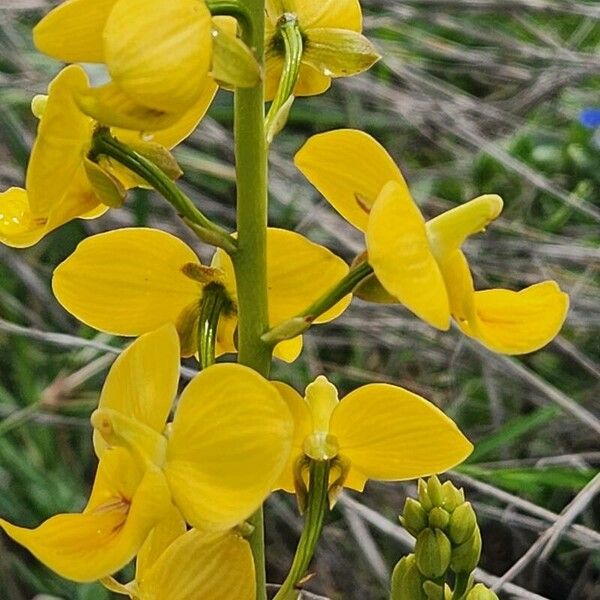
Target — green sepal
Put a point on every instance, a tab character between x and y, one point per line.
233	64
106	186
338	52
159	156
370	289
466	556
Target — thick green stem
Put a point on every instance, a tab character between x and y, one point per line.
250	259
301	322
316	510
214	302
105	144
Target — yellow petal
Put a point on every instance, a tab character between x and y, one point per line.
341	14
311	82
289	350
183	127
302	429
519	322
401	257
160	538
389	433
460	288
17	226
72	32
158	52
201	565
128	281
142	383
448	231
350	169
231	437
110	105
89	546
63	138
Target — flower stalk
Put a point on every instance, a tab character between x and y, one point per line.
107	145
316	509
214	302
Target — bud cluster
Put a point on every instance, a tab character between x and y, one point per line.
448	542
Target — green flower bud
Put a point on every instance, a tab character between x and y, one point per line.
466	556
433	553
463	522
480	592
424	496
435	491
438	518
433	591
414	518
407	582
453	497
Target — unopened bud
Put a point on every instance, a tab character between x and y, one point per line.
38	105
433	553
463	522
480	592
453	497
433	591
414	518
438	518
466	556
407	581
424	496
434	489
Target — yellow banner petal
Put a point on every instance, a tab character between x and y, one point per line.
519	322
201	565
401	257
448	231
88	546
391	434
341	14
159	53
230	440
72	32
289	350
64	134
128	281
350	169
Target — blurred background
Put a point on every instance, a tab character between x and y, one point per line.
472	96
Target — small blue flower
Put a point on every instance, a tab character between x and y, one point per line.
590	118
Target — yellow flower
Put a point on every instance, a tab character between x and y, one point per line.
333	44
157	53
131	281
184	565
421	264
58	182
227	445
378	431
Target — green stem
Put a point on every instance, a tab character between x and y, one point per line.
250	259
460	586
231	8
105	144
214	301
294	47
316	510
302	321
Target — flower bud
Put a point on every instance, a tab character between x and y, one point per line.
414	518
463	522
424	496
480	592
407	581
453	497
433	591
438	518
433	553
434	489
466	556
